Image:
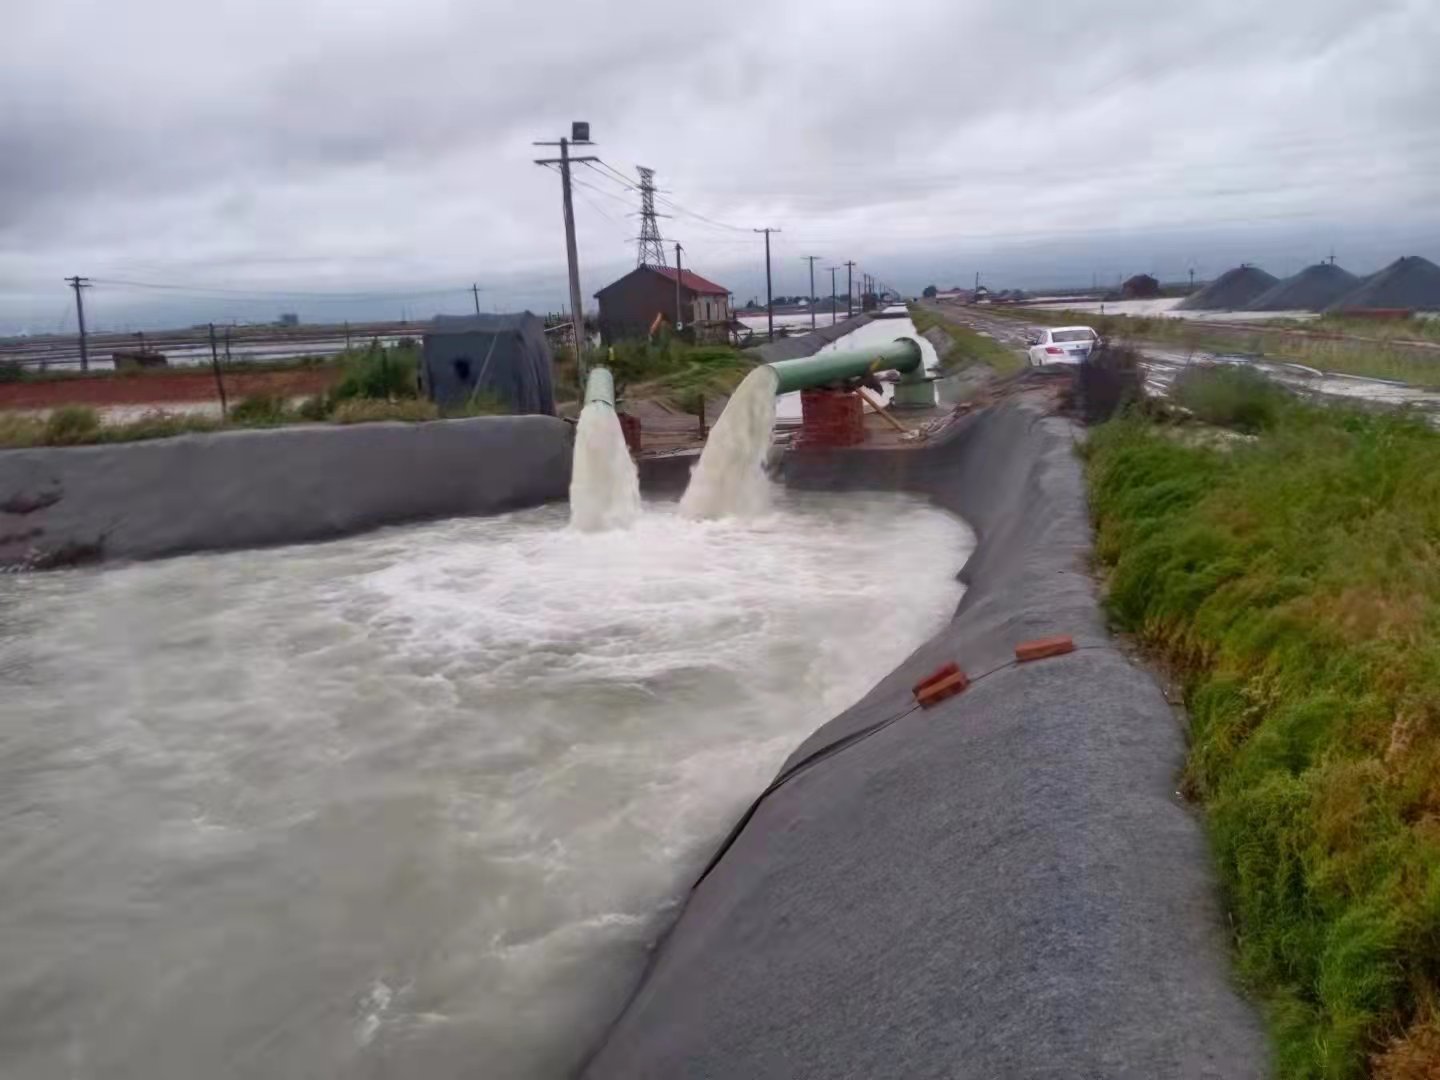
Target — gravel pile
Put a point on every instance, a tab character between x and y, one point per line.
1313	289
1231	291
1411	282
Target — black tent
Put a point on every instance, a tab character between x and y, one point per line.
502	355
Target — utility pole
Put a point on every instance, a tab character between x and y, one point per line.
215	367
475	289
579	136
833	305
769	299
77	283
811	260
849	289
678	249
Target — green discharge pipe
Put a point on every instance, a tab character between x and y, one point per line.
822	369
600	386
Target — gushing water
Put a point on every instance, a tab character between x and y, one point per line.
730	479
604	485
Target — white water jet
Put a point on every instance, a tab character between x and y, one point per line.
604	484
730	479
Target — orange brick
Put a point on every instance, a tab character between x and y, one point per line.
1040	648
947	687
935	676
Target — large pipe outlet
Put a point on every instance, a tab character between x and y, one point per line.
902	355
600	387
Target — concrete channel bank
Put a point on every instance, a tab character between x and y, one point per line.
1004	885
238	489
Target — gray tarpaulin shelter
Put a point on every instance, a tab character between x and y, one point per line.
503	355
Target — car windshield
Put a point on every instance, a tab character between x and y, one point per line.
1073	335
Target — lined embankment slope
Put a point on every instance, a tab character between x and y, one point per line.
1004	885
234	489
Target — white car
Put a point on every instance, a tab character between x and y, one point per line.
1062	345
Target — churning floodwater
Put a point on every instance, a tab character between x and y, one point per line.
412	804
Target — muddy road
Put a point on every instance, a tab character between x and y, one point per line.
1164	363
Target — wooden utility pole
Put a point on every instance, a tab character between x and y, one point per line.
579	136
678	272
769	298
77	283
811	260
475	289
833	305
849	290
215	366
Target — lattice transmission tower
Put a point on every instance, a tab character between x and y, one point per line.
651	249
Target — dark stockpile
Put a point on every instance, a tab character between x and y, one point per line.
1411	282
1231	291
1313	289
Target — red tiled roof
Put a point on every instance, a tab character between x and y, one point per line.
692	281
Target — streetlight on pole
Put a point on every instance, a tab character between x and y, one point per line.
579	136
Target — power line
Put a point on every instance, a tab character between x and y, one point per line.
615	176
246	294
614	173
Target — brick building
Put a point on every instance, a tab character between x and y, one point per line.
629	305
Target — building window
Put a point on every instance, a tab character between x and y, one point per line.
462	369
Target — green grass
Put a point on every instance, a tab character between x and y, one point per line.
970	347
1292	582
673	371
78	425
380	373
1235	397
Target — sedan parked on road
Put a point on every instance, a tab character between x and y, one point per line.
1062	345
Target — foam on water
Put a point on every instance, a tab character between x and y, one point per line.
604	484
415	803
730	478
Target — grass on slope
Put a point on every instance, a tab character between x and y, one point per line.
674	371
970	347
1293	582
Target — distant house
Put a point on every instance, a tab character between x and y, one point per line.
1140	287
630	305
288	319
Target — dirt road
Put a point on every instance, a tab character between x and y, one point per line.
1163	363
160	388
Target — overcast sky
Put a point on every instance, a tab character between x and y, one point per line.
384	146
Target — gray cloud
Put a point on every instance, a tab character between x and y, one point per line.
308	146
